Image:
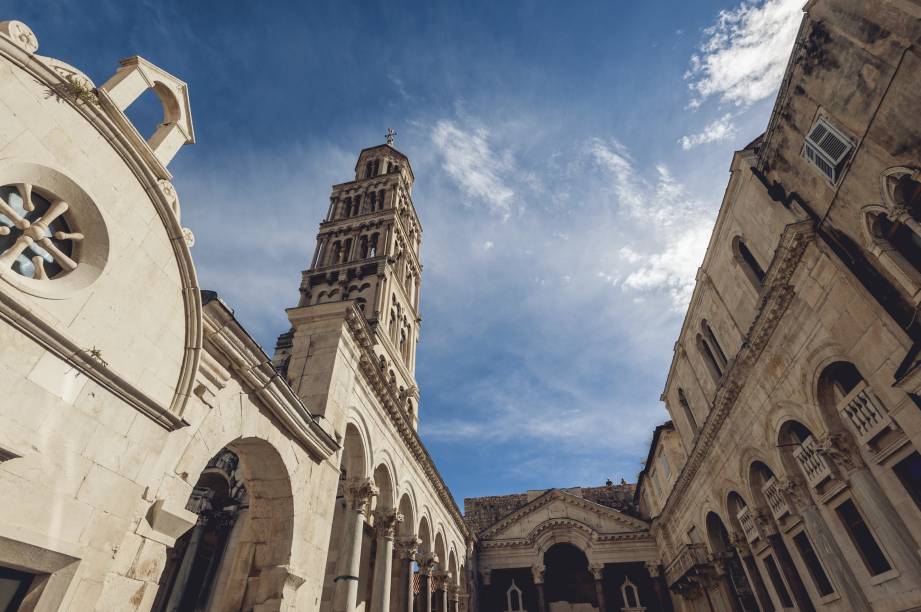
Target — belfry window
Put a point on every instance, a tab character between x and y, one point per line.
746	260
714	345
372	251
380	199
356	206
709	358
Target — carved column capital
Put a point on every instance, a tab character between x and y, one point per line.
654	568
796	493
386	521
719	561
408	547
486	576
537	573
739	542
840	449
597	569
358	494
428	563
764	523
441	579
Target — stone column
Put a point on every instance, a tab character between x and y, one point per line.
659	586
407	551
721	565
798	499
597	570
740	543
768	530
895	537
385	524
358	495
426	569
453	598
537	573
442	578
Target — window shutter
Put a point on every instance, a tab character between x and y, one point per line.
827	149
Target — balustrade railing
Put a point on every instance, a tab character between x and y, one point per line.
748	524
689	556
866	414
815	466
775	498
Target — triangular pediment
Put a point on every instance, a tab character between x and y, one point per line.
557	506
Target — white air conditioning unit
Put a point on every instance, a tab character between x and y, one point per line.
827	149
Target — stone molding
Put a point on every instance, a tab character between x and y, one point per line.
389	399
49	72
554	495
775	299
228	342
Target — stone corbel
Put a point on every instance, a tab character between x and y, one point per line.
166	522
537	573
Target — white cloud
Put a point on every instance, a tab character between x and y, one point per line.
672	234
720	129
470	160
743	57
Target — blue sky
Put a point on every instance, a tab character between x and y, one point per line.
570	160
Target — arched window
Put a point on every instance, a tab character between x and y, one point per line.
714	345
363	247
356	206
372	251
893	231
347	251
631	596
335	253
403	343
709	358
380	199
346	209
369	169
686	408
373	197
746	260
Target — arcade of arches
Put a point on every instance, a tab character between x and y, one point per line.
154	457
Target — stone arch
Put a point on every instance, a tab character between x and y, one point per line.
425	532
784	412
386	495
241	558
562	531
747	457
355	453
439	549
136	76
452	566
407	508
566	574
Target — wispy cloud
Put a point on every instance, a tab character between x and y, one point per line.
720	129
744	54
469	159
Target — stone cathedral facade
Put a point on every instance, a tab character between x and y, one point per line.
154	457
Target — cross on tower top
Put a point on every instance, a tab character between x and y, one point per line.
390	134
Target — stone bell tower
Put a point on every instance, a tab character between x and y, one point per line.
367	254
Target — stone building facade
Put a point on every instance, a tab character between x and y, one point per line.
789	476
152	456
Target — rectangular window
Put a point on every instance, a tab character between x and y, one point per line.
777	581
811	559
909	472
862	538
13	587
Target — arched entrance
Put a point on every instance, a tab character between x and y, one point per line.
568	584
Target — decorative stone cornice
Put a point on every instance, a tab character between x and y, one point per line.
775	299
393	406
230	345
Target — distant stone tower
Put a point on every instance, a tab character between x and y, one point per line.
367	255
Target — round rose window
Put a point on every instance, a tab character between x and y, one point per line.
35	239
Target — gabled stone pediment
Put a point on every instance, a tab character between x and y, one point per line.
556	508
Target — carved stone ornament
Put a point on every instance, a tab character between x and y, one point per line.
841	451
21	35
408	548
386	521
188	237
764	523
796	493
537	573
597	569
739	542
654	568
358	494
428	563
